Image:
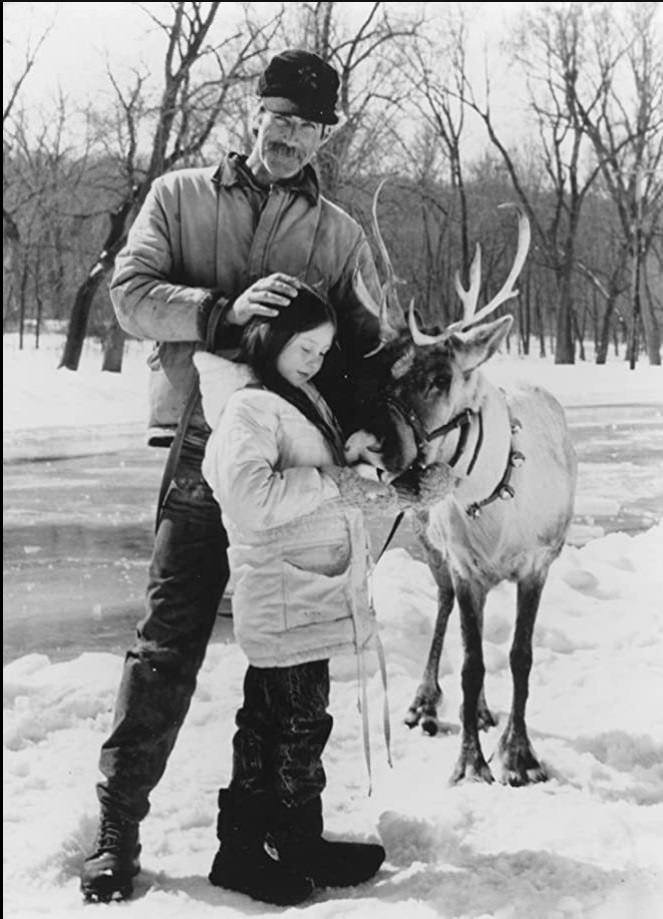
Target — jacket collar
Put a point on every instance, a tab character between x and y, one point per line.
234	171
219	378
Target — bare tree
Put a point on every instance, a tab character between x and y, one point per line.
369	55
602	262
11	235
440	86
550	46
45	188
191	102
626	129
439	96
28	62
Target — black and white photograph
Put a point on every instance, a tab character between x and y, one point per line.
333	460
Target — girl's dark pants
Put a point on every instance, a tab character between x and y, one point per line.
282	728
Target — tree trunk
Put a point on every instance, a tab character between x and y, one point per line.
633	346
11	239
540	323
40	309
604	333
524	316
113	348
579	334
564	351
85	294
652	333
73	347
22	307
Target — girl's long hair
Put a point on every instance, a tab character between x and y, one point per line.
264	339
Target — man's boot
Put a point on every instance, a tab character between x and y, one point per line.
297	836
108	873
242	863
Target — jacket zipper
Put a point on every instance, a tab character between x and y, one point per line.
280	207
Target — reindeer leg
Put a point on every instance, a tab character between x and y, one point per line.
471	763
485	718
423	709
518	762
428	697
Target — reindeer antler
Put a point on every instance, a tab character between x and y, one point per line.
388	292
470	295
389	288
363	294
507	291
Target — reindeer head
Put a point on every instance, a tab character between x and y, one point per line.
420	385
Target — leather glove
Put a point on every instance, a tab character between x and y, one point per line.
361	492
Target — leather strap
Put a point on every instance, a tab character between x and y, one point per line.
392	532
175	451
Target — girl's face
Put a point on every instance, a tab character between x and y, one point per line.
302	357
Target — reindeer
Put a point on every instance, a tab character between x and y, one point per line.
508	514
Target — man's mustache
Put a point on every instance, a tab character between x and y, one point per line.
284	149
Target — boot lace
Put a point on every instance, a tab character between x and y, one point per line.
116	836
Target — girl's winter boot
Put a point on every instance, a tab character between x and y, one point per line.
297	836
242	863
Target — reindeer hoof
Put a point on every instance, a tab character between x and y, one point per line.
537	775
429	723
412	718
429	726
518	764
519	778
466	773
423	711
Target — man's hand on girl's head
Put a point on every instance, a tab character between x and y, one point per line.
265	297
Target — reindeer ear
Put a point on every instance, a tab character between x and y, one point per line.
403	364
475	346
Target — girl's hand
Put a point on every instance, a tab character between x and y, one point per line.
362	447
359	491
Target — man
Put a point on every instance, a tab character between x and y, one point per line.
211	248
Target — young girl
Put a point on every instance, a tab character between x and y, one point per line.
298	554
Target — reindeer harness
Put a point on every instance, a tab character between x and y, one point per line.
463	420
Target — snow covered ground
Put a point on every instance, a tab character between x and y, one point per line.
588	844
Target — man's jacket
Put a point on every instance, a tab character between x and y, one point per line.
207	234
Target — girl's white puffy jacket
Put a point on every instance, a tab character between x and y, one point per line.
299	555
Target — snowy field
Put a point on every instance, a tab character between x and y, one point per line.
588	844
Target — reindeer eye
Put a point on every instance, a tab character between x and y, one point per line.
441	382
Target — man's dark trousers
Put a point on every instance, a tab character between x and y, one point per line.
187	576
